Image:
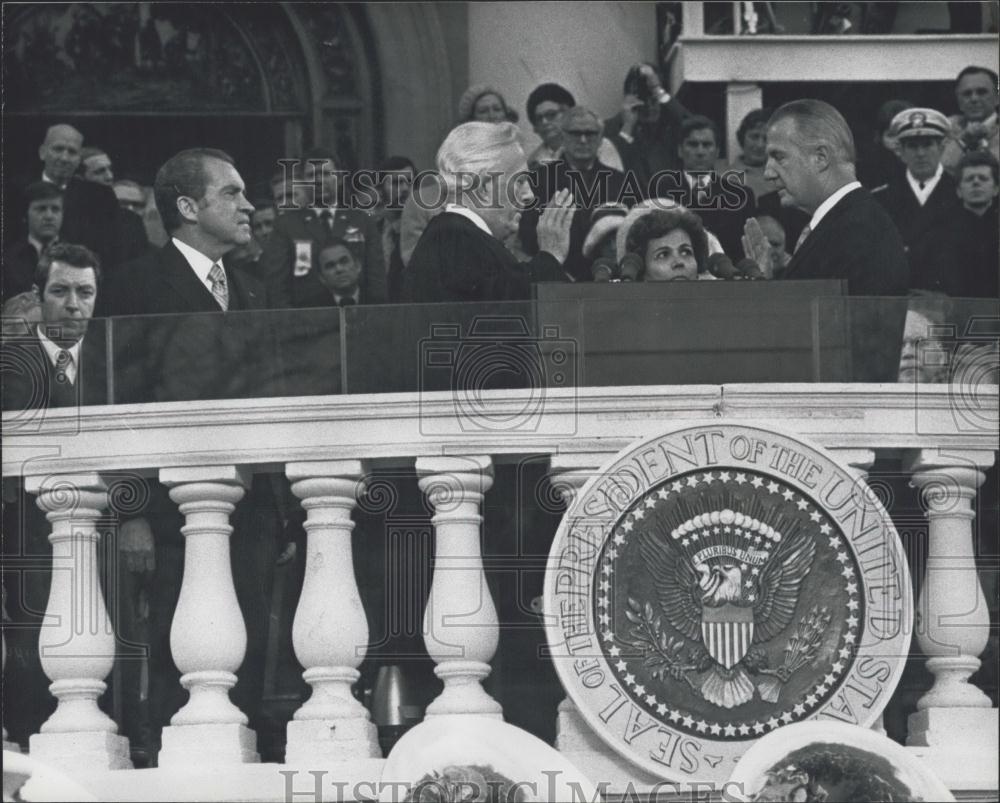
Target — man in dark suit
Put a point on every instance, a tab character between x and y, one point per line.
90	209
924	197
289	265
200	197
723	203
850	236
44	218
57	366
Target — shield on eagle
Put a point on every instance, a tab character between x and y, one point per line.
727	631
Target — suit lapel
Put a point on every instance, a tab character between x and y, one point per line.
181	278
814	240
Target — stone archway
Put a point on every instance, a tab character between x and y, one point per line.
194	73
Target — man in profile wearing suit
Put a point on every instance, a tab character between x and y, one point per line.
200	196
290	262
810	161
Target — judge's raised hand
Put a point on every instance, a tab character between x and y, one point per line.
755	244
554	223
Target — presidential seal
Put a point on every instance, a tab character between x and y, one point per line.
716	583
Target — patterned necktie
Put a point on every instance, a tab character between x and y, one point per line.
64	361
802	238
217	276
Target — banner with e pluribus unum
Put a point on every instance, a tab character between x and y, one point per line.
716	582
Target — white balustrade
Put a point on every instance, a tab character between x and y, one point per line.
461	630
330	631
208	638
76	643
953	618
568	474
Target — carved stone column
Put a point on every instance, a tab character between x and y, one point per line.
330	632
76	643
952	617
460	621
208	638
860	461
568	474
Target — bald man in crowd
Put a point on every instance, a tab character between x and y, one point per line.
91	215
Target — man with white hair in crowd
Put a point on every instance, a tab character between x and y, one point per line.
461	255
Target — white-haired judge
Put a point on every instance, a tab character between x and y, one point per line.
461	255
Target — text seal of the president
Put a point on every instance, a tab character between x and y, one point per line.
716	582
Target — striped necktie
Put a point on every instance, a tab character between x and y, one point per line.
217	276
802	238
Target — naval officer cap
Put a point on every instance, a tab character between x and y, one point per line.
919	123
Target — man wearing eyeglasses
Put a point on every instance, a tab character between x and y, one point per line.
590	181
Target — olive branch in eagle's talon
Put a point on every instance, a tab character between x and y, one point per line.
665	656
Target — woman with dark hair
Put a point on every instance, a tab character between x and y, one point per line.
672	245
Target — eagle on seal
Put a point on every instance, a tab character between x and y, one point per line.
728	605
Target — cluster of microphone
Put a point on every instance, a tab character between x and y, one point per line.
632	267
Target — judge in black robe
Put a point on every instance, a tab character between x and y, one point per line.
461	255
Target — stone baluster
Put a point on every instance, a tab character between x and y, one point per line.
330	632
568	473
76	643
460	621
208	638
860	461
953	620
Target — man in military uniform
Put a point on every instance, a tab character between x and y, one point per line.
921	199
290	262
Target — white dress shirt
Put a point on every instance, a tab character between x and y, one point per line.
831	202
929	184
200	264
469	215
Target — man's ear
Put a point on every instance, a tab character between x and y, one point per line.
188	208
822	156
37	292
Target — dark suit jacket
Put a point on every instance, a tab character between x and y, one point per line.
291	283
91	217
920	227
856	241
19	262
30	381
456	261
162	282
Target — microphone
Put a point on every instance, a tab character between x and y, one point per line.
632	267
721	266
603	269
749	269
